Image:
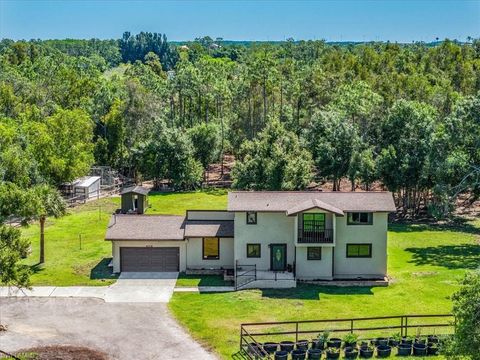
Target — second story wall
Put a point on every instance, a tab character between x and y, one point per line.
271	228
374	235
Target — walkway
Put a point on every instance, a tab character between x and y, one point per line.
130	287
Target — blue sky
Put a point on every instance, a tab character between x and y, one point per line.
402	21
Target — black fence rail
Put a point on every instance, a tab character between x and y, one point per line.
252	335
244	274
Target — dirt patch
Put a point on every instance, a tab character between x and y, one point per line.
62	353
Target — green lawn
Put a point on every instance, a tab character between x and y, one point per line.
185	280
424	263
67	264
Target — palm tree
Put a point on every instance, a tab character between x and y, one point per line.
46	202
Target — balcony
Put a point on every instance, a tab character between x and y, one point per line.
314	232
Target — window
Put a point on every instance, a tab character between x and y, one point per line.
359	250
314	253
211	248
253	251
360	218
313	221
251	217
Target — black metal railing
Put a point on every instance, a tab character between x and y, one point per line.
314	232
252	335
244	274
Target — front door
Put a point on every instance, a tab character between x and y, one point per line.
278	257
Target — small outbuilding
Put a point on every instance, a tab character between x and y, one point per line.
134	199
87	187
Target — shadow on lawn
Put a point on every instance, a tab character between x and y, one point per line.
465	256
313	292
457	224
102	271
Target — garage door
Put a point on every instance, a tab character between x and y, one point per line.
149	259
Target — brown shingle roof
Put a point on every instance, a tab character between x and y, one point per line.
381	201
146	227
201	228
312	204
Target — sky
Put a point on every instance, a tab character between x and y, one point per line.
381	20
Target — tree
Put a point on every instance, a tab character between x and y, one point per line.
12	249
406	144
61	145
46	202
169	155
274	161
206	143
466	309
332	140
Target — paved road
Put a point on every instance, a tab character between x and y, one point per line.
122	330
130	287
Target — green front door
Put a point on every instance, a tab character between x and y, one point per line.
278	257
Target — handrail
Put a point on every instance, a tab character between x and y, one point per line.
315	235
248	273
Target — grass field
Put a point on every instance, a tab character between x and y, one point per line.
425	264
67	264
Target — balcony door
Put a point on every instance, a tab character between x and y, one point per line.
278	257
314	222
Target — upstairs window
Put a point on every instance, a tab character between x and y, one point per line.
360	218
211	248
251	217
313	221
359	250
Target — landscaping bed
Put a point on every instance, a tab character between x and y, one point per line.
61	353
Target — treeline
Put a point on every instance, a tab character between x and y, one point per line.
407	116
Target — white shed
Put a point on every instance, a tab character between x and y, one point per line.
88	187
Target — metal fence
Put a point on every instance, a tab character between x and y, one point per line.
253	334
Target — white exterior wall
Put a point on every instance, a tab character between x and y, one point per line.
194	255
375	234
314	269
117	244
271	228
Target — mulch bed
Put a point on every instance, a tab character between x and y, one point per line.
62	353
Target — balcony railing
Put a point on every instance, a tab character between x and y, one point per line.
314	232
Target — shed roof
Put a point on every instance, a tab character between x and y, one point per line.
135	189
375	201
145	227
87	181
201	228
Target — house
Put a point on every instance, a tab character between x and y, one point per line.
134	199
268	238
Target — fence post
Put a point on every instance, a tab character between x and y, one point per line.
296	332
406	325
401	326
351	326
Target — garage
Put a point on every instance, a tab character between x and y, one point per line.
149	259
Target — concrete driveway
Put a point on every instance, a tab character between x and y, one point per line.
142	287
124	331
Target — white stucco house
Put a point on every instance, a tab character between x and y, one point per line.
264	238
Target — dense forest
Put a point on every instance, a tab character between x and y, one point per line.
406	116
